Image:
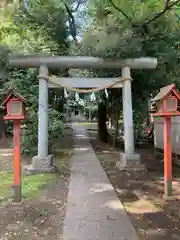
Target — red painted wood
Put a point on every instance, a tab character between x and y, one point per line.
167	150
164	114
17	152
14	117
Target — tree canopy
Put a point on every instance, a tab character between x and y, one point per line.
132	28
103	28
38	27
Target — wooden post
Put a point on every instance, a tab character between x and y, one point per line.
167	157
17	161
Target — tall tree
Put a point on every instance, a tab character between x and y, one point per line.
38	27
132	28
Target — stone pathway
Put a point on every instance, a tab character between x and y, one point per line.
94	211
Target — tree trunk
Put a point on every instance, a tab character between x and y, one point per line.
116	125
2	127
90	115
116	130
102	128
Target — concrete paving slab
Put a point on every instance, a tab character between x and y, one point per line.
94	211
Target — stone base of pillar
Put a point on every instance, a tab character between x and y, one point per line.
41	165
130	162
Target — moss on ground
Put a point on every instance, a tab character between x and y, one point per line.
31	184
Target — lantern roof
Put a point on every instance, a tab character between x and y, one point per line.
12	93
165	92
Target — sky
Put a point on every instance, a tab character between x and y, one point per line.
80	19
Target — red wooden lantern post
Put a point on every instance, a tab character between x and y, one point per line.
14	104
167	107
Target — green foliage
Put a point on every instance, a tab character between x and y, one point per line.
30	129
130	29
19	81
116	28
55	124
29	133
42	28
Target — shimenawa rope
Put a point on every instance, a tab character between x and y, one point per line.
80	90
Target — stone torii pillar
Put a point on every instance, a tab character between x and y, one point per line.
43	161
128	112
129	159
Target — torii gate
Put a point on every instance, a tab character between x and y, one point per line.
42	162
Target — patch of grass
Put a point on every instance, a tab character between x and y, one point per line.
86	123
89	126
31	184
6	179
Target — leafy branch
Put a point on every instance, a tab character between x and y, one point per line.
121	11
168	6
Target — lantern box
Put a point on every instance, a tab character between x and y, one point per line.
15	106
166	101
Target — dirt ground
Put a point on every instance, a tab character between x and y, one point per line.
142	195
42	217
